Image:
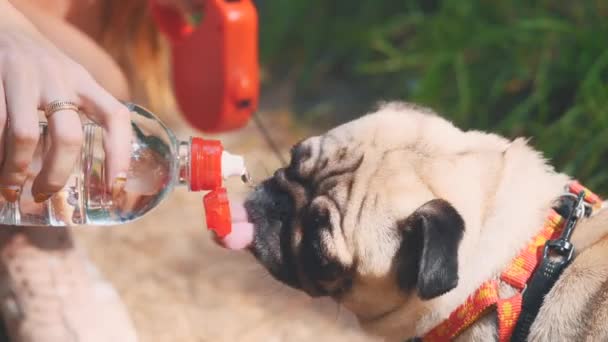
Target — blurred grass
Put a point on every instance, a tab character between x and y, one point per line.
519	68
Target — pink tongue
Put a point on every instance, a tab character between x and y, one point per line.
242	231
237	210
240	237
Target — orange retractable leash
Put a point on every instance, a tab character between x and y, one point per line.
215	63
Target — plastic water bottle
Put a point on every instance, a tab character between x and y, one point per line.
159	163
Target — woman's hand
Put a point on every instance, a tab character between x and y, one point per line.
34	74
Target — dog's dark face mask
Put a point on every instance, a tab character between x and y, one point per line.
293	228
271	209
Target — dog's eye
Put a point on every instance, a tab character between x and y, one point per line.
316	262
319	217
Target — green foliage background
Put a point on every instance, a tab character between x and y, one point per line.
515	67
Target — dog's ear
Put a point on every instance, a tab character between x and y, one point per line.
428	256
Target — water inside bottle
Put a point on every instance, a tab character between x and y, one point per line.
86	200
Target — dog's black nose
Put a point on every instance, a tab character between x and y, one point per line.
269	202
271	210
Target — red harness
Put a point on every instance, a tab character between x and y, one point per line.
517	274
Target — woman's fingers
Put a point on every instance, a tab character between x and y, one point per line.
30	82
33	73
22	133
114	118
65	143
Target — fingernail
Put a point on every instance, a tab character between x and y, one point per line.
119	184
10	193
41	197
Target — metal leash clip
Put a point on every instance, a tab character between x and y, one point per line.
562	246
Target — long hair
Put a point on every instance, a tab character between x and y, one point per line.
132	39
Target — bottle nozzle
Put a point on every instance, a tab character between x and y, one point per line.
233	165
245	177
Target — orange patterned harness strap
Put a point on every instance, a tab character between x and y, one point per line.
516	274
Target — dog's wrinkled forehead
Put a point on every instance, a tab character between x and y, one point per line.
314	157
397	125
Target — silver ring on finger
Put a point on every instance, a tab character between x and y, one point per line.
56	106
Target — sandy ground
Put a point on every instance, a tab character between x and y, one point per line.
179	286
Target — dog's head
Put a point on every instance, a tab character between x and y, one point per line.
373	212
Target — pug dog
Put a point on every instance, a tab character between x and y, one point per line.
399	216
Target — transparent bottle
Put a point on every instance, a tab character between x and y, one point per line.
159	163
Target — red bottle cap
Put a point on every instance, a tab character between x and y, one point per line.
205	164
217	211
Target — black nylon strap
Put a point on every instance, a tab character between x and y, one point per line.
540	284
557	255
